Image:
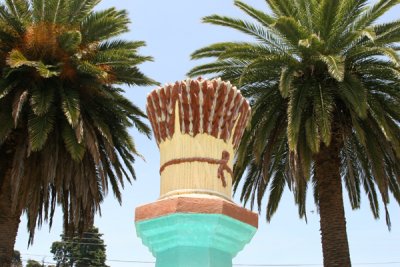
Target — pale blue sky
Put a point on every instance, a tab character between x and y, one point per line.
172	30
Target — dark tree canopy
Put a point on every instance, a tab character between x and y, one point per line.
33	263
323	79
80	250
64	118
303	74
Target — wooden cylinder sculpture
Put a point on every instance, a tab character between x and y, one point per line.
197	125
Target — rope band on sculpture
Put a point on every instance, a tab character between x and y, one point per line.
223	164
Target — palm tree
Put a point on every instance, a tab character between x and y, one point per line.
323	81
64	120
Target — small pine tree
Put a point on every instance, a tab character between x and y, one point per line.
84	250
33	263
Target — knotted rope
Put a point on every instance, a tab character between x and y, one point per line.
223	164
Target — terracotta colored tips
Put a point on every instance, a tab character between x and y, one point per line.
212	107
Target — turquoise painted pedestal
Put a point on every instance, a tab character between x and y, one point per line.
194	239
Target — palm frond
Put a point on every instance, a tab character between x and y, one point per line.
18	104
354	95
70	41
254	30
18	8
102	25
286	80
347	12
387	33
350	173
75	149
296	106
16	60
41	99
323	108
39	128
327	14
312	134
218	67
80	9
291	29
71	106
278	185
360	53
282	8
38	10
262	17
373	13
11	20
335	64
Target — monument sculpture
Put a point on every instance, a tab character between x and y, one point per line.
197	125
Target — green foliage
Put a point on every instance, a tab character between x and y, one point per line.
70	41
80	250
33	263
335	66
16	259
61	107
317	70
16	60
102	25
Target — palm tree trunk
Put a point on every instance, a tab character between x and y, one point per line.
332	219
9	222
